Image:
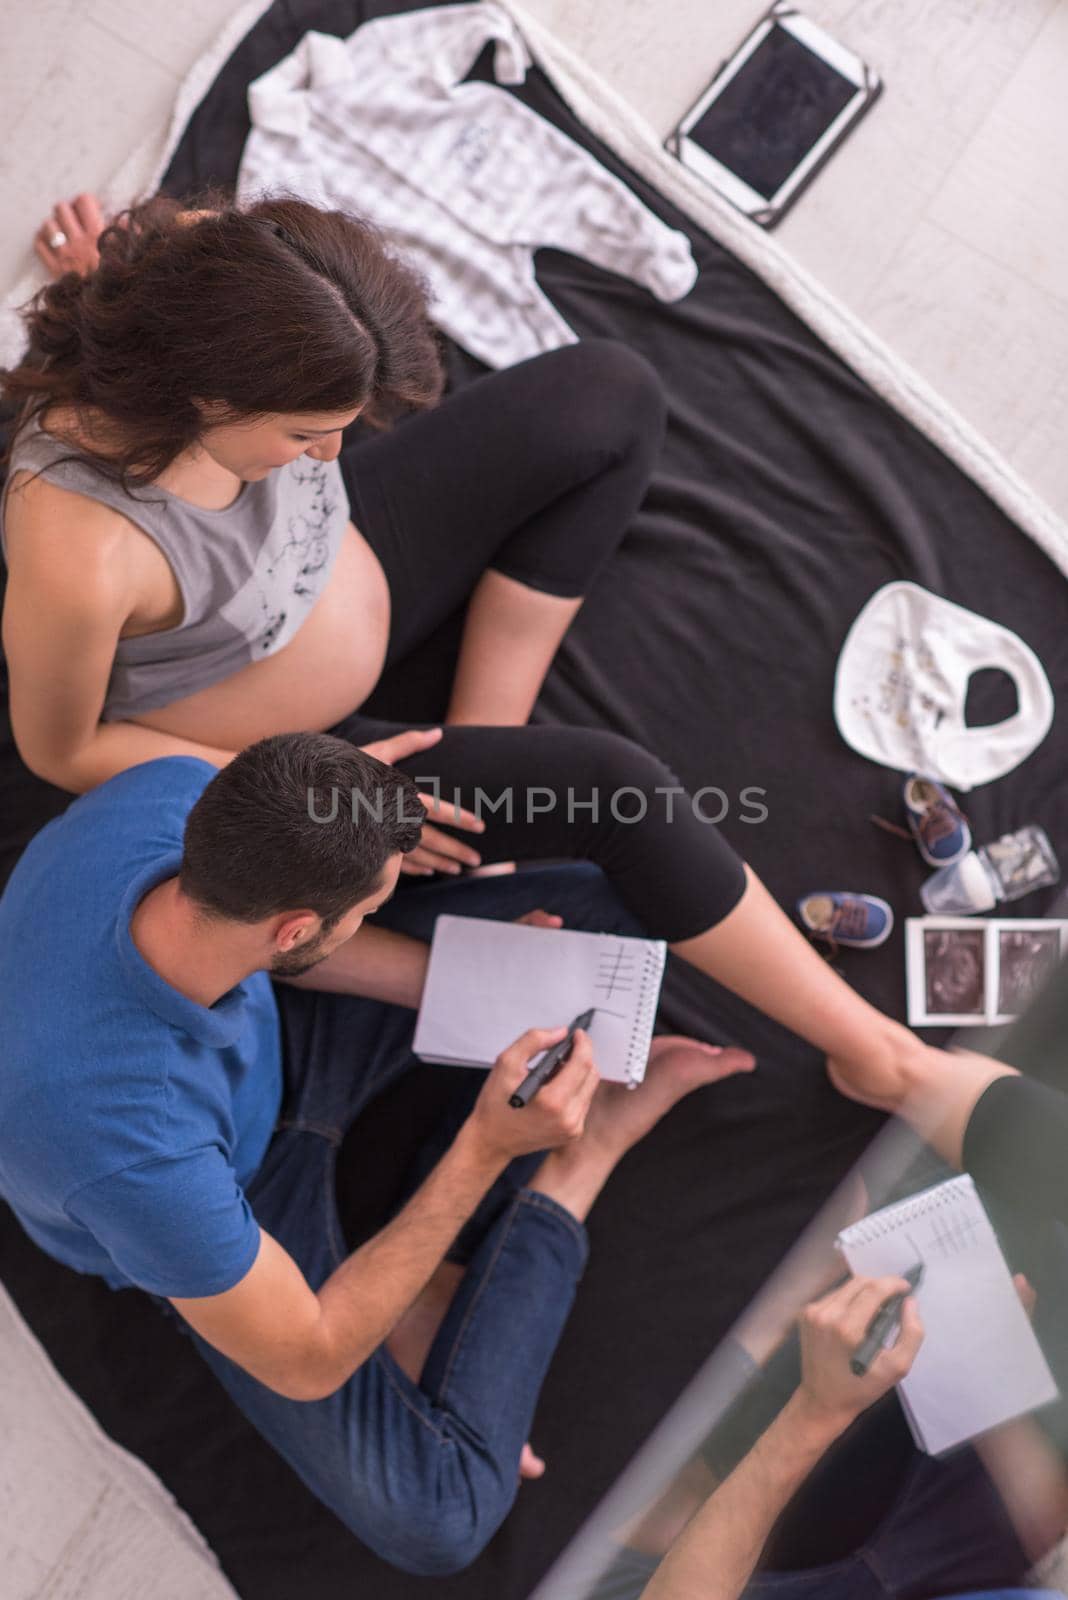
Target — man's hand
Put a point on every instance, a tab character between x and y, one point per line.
557	1113
714	1557
832	1328
436	851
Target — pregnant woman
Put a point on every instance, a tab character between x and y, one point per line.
195	561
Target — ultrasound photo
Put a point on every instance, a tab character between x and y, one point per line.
954	971
1027	956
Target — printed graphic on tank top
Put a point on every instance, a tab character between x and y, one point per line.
902	682
289	571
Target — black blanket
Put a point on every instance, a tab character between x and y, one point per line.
787	493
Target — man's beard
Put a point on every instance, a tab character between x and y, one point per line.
295	964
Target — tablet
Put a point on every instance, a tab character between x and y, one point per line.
774	113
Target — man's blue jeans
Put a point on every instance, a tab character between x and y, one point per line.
423	1473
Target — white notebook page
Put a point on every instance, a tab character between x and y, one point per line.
490	981
980	1363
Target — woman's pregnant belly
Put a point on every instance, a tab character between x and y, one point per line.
325	671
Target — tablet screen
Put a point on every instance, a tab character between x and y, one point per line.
775	108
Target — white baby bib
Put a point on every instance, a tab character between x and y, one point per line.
902	682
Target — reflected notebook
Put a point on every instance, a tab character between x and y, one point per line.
488	982
980	1363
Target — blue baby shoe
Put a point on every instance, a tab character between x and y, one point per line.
860	921
936	821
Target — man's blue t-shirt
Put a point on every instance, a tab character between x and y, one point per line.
131	1118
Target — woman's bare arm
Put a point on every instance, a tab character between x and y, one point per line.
69	594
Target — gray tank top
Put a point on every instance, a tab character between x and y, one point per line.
248	575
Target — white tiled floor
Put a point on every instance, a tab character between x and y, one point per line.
943	223
943	220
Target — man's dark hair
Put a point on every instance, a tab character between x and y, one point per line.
253	846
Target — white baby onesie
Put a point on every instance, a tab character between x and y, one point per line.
462	178
902	683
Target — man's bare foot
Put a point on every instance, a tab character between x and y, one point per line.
619	1116
530	1465
75	225
575	1174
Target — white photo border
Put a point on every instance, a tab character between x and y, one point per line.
992	928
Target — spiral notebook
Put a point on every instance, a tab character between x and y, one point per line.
488	982
980	1363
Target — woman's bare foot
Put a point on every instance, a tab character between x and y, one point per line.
888	1075
75	225
935	1091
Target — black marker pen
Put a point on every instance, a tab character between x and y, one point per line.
885	1321
550	1062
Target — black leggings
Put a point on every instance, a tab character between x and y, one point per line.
537	471
1016	1148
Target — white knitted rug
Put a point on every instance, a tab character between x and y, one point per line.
81	1519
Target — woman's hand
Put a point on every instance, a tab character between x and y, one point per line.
436	851
81	221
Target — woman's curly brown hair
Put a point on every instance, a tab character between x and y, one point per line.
276	306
